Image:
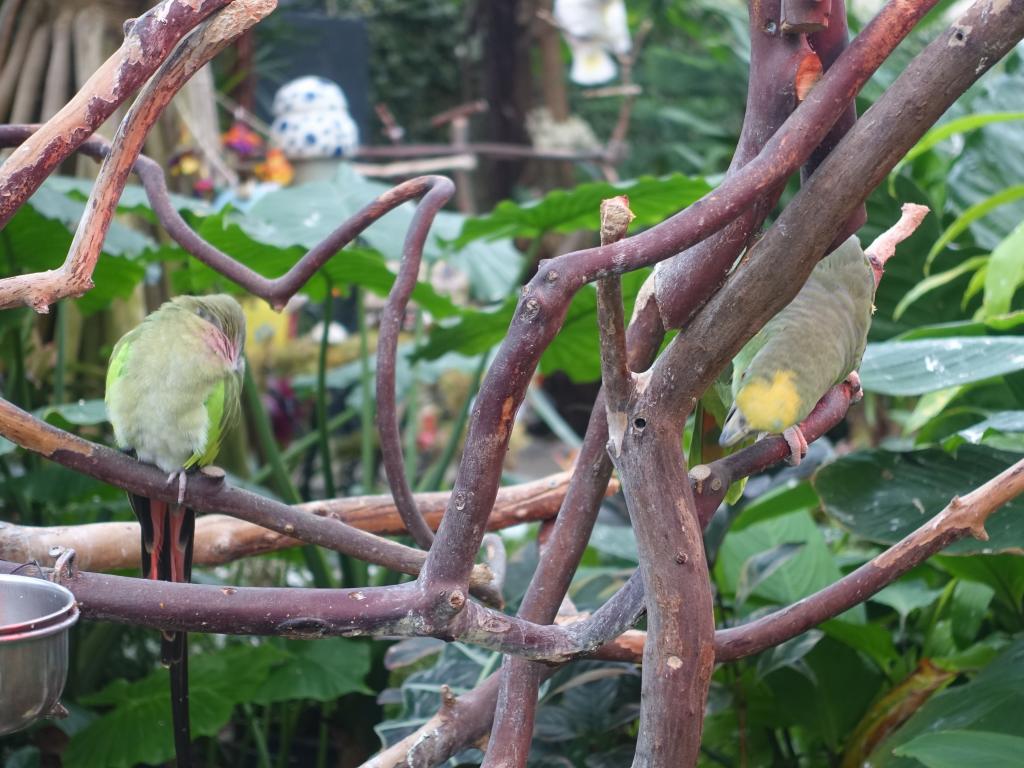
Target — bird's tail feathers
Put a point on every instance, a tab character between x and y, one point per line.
167	535
174	646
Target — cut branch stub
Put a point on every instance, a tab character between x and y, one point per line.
805	16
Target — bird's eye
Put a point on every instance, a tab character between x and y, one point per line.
204	314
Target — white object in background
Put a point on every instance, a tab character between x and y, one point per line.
594	30
311	120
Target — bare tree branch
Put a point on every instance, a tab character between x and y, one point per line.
205	494
221	539
545	299
379	610
149	39
74	277
387	350
962	517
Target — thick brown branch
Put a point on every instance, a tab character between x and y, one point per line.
387	350
74	277
963	516
221	539
686	281
148	41
616	378
766	111
777	266
385	610
208	495
679	655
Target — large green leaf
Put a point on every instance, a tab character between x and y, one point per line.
651	199
494	267
932	282
882	496
831	696
990	160
79	414
473	334
1004	274
925	365
997	423
989	704
976	212
808	570
759	567
271	258
133	197
138	727
1001	325
575	350
956	749
959	126
119	241
781	500
39	236
321	670
305	214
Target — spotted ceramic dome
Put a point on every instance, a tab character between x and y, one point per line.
311	119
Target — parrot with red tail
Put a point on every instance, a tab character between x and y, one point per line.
172	392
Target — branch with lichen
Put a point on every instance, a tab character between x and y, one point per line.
222	539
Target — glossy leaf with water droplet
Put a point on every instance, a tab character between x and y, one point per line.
883	496
926	365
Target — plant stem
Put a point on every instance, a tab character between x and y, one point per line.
60	368
547	412
259	736
412	426
433	479
17	497
368	426
299	446
323	735
279	472
321	396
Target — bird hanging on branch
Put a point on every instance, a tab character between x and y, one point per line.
173	389
816	341
812	344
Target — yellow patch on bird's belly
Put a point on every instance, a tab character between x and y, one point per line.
770	406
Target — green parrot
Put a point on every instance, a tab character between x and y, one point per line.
812	344
172	392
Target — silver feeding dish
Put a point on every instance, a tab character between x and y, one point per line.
35	616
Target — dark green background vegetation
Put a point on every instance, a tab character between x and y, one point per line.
930	672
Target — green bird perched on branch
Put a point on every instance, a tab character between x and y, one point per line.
812	344
172	392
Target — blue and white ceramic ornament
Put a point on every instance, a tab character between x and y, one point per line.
312	121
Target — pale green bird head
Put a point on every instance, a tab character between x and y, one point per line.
220	311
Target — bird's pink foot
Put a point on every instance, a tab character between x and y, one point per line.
797	445
180	475
856	392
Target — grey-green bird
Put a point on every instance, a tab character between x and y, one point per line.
812	344
173	389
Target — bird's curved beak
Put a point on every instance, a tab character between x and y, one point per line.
734	429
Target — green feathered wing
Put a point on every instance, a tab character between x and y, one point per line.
812	344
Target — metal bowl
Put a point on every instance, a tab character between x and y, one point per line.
35	616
